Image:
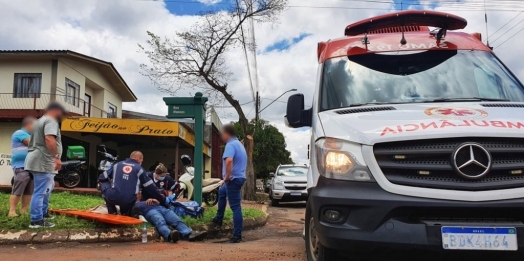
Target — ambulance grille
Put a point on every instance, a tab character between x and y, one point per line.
366	109
428	163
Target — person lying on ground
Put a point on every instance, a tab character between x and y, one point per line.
121	183
162	217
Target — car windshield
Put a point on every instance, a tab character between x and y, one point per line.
416	76
292	171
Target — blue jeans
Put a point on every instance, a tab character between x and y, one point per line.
44	184
162	217
114	198
232	192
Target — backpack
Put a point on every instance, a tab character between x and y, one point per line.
190	208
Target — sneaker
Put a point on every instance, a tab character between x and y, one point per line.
197	236
41	224
135	212
216	223
48	217
235	240
174	236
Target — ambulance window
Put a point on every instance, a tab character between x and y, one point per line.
488	84
410	77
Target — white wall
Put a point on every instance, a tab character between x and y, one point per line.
7	77
9	68
102	94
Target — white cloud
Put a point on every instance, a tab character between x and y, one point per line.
111	30
209	2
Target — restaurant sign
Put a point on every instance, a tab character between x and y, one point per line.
121	126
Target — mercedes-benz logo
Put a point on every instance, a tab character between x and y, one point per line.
471	160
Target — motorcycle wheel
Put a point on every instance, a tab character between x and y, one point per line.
211	199
70	180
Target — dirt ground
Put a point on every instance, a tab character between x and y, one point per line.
280	239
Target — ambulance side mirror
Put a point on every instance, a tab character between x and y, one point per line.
296	116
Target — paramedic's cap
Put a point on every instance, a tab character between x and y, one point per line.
56	106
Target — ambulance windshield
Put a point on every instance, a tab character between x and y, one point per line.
422	76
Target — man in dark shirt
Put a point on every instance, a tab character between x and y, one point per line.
121	183
171	170
153	167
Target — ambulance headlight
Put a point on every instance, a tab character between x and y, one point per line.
338	159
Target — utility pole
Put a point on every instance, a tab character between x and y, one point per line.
257	107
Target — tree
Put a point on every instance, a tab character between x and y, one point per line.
270	148
195	59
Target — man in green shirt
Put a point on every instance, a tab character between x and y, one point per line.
43	161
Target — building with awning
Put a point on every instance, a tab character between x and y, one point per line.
163	141
93	92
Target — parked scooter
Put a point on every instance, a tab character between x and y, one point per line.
209	186
69	176
107	161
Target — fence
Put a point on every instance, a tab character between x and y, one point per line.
39	101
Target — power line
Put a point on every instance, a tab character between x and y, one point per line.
273	99
510	37
250	111
508	31
507	23
502	6
229	106
245	56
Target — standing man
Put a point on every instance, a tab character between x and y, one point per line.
121	183
234	174
43	161
171	171
23	184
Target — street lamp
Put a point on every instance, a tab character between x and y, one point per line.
258	112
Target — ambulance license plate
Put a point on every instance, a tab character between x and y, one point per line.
479	238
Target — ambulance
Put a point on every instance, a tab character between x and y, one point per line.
417	140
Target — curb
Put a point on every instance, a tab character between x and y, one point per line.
9	237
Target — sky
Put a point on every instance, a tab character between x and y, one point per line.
286	50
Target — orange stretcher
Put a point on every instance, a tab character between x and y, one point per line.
104	218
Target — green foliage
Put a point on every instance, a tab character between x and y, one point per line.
210	213
270	147
65	200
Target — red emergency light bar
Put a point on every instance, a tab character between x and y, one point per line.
407	18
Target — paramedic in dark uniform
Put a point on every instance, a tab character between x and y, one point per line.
163	182
121	183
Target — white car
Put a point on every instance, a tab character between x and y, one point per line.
417	141
288	184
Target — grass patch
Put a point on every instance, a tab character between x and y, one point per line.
61	200
210	213
65	200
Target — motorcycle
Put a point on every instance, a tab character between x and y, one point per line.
69	175
107	161
209	186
